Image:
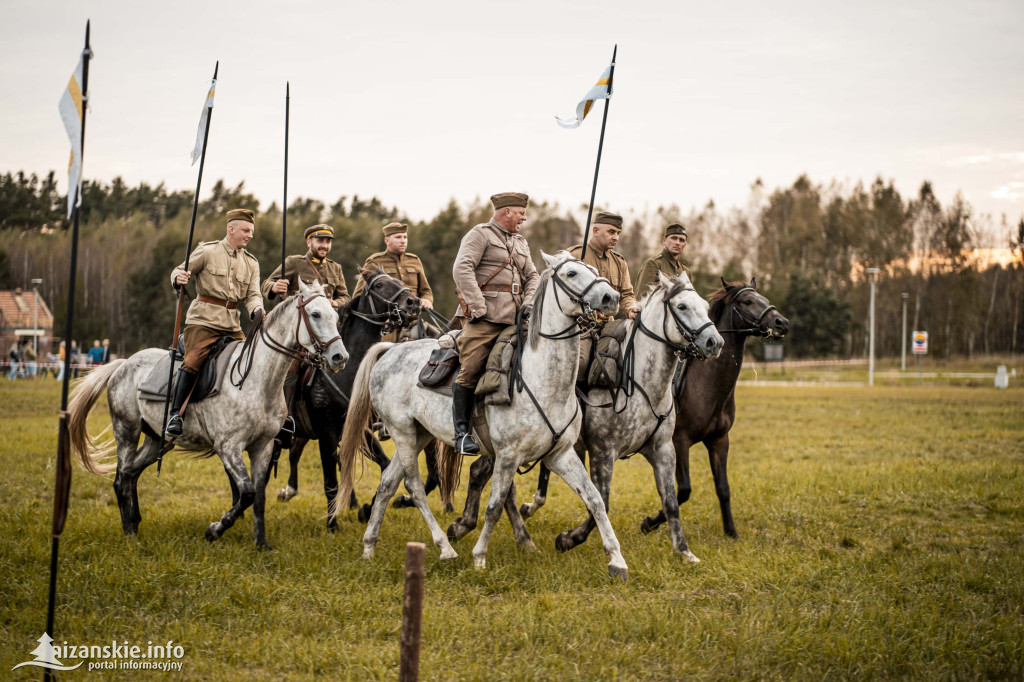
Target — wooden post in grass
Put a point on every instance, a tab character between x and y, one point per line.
412	611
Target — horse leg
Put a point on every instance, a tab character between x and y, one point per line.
682	444
718	453
540	496
522	535
235	466
568	466
261	477
479	474
601	464
294	455
381	460
433	480
661	458
390	479
419	497
131	462
328	445
504	473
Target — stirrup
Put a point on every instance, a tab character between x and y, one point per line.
174	427
285	436
460	445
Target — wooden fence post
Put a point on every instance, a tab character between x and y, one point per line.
412	611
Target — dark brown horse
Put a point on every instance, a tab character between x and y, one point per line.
706	396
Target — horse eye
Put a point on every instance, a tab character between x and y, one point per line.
681	306
315	316
572	273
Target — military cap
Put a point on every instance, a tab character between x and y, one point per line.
395	228
319	231
606	218
242	214
506	199
675	228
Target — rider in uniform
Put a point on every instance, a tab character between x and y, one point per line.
611	265
312	266
669	261
494	278
406	267
226	274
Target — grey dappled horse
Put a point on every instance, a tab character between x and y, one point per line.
542	422
238	418
638	416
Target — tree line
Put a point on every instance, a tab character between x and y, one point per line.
809	245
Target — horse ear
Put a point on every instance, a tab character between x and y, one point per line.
725	285
665	280
550	260
753	282
303	289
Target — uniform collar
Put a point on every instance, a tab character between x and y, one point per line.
670	257
230	249
314	260
394	256
600	253
495	223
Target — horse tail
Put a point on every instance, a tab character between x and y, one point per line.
84	395
357	425
449	470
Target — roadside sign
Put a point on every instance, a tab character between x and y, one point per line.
920	343
773	352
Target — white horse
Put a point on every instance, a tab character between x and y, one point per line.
638	416
543	421
244	416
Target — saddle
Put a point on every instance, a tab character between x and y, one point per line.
493	387
211	374
606	366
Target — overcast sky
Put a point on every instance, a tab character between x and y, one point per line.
418	102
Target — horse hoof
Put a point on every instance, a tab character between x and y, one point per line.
619	573
528	546
563	543
332	524
402	502
213	531
353	503
449	508
368	552
731	532
648	525
264	547
364	513
287	494
449	554
525	511
480	562
688	557
453	533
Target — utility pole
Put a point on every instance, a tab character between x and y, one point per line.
903	337
872	274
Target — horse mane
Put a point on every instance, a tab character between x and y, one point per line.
538	306
719	297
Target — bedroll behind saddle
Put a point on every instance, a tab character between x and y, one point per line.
606	367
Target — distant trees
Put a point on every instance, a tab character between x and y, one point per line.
808	245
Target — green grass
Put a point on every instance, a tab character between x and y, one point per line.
881	535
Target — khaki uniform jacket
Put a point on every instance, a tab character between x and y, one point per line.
483	251
407	268
221	271
664	262
297	267
612	266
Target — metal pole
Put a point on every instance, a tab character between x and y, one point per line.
872	273
284	206
412	612
600	147
903	337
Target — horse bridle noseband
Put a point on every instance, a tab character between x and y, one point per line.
388	319
314	358
754	322
689	334
586	321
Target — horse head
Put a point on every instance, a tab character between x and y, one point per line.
753	309
318	327
386	299
689	313
586	290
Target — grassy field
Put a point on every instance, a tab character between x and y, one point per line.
881	536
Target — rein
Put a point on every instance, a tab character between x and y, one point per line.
242	365
388	319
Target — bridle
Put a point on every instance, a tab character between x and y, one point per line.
390	317
587	320
689	334
243	363
756	323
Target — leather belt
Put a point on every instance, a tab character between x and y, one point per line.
514	288
230	305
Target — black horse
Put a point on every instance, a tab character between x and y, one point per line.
705	397
322	399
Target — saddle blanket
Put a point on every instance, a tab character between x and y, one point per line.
154	386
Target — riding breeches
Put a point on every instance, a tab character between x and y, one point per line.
198	340
475	344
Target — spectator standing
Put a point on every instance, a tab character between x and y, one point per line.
95	353
106	352
61	354
75	359
14	356
29	356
